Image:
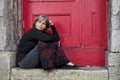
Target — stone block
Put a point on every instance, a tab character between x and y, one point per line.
84	73
115	41
115	6
114	71
1	7
112	59
7	61
115	19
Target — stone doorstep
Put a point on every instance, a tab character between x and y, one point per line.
84	73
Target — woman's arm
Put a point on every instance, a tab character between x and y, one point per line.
55	33
54	29
41	36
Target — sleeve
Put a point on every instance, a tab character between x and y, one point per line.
55	33
41	36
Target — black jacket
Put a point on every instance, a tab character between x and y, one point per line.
30	39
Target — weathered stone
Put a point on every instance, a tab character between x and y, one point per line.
1	7
4	74
7	60
115	22
112	59
19	23
85	73
2	34
10	22
19	10
115	6
114	78
114	71
115	41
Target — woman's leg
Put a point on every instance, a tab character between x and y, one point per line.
32	59
47	55
60	57
51	55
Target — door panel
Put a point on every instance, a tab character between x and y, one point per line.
81	25
94	31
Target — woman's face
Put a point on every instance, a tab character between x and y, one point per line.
40	25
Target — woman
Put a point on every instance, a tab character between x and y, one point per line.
39	48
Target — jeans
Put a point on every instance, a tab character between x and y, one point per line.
32	59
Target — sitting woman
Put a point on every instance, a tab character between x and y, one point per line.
39	48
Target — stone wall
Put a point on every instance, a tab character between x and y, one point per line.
113	54
10	31
11	25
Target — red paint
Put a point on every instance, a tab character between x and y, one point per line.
80	23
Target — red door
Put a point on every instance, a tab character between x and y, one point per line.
81	25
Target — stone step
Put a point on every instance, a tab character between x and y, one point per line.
83	73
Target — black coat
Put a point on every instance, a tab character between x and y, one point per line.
30	39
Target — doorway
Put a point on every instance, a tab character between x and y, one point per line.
81	25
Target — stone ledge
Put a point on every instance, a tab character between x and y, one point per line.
7	61
84	73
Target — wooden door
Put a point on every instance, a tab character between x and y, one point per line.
81	25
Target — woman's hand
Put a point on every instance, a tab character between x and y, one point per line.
51	23
58	43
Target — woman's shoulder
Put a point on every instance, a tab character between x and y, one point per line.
33	30
30	31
